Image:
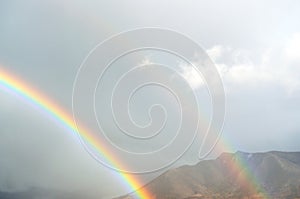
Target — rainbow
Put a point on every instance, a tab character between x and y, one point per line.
15	85
247	179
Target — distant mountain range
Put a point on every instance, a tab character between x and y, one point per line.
232	175
39	193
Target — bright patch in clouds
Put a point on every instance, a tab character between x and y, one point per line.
292	48
192	76
146	61
237	68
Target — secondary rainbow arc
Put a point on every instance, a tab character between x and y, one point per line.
15	85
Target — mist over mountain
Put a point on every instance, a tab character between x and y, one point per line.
232	175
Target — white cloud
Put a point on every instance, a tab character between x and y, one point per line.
292	48
215	52
146	61
192	76
277	67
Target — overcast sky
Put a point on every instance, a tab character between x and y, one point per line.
254	44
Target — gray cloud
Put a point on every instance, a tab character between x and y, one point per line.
253	43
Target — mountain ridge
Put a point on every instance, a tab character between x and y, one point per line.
272	174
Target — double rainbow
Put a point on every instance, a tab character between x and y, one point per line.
15	85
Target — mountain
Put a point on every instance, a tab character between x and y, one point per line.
232	175
39	193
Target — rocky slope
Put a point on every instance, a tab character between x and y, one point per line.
239	175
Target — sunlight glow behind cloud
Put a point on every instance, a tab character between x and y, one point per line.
192	76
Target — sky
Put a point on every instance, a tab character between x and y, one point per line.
255	46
